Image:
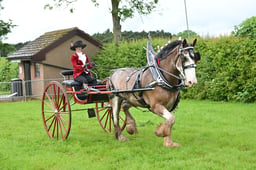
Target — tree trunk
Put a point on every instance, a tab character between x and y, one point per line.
116	21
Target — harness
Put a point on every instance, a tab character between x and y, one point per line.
157	71
137	85
159	78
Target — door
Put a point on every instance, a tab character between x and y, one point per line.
27	75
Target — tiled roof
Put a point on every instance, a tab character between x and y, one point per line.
44	42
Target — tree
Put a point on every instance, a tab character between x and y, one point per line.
6	49
107	36
185	34
121	10
5	28
246	29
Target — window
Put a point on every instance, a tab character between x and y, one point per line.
37	70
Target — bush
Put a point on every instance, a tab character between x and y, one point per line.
246	28
226	71
8	70
126	54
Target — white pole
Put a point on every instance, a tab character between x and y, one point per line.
186	16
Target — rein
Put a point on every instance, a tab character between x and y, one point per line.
157	71
169	73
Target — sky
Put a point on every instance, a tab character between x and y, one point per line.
205	17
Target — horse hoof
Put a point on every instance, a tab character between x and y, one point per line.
173	145
123	139
169	143
163	130
131	130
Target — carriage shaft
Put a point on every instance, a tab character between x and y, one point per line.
132	90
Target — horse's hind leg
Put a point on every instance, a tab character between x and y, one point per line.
130	121
165	128
116	105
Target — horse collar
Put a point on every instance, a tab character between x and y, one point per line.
156	71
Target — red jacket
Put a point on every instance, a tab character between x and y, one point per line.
78	65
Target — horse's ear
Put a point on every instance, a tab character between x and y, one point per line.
184	43
194	42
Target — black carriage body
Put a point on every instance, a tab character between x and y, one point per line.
83	97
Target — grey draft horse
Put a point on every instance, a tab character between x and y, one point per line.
176	63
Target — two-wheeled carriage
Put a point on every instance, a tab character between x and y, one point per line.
57	106
165	74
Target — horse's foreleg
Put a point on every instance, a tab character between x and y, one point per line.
164	129
116	104
130	121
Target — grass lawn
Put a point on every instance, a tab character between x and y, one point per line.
213	135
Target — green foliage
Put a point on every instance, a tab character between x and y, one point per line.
107	36
8	70
6	49
128	9
120	10
20	45
213	135
126	54
5	28
227	70
246	29
124	11
187	33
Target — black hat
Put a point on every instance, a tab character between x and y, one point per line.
78	43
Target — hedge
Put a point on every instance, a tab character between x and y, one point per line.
8	71
226	71
126	54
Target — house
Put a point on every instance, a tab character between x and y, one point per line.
45	57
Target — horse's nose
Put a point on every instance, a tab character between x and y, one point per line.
191	83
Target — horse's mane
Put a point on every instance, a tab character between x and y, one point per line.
163	53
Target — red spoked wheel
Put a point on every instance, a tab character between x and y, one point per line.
56	111
105	117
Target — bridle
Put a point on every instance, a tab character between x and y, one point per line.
191	55
181	55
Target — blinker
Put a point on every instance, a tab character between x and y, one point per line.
191	53
197	56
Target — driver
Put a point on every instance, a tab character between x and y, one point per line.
81	65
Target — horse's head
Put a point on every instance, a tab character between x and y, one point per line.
186	62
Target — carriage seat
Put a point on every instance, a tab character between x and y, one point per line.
67	72
71	83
